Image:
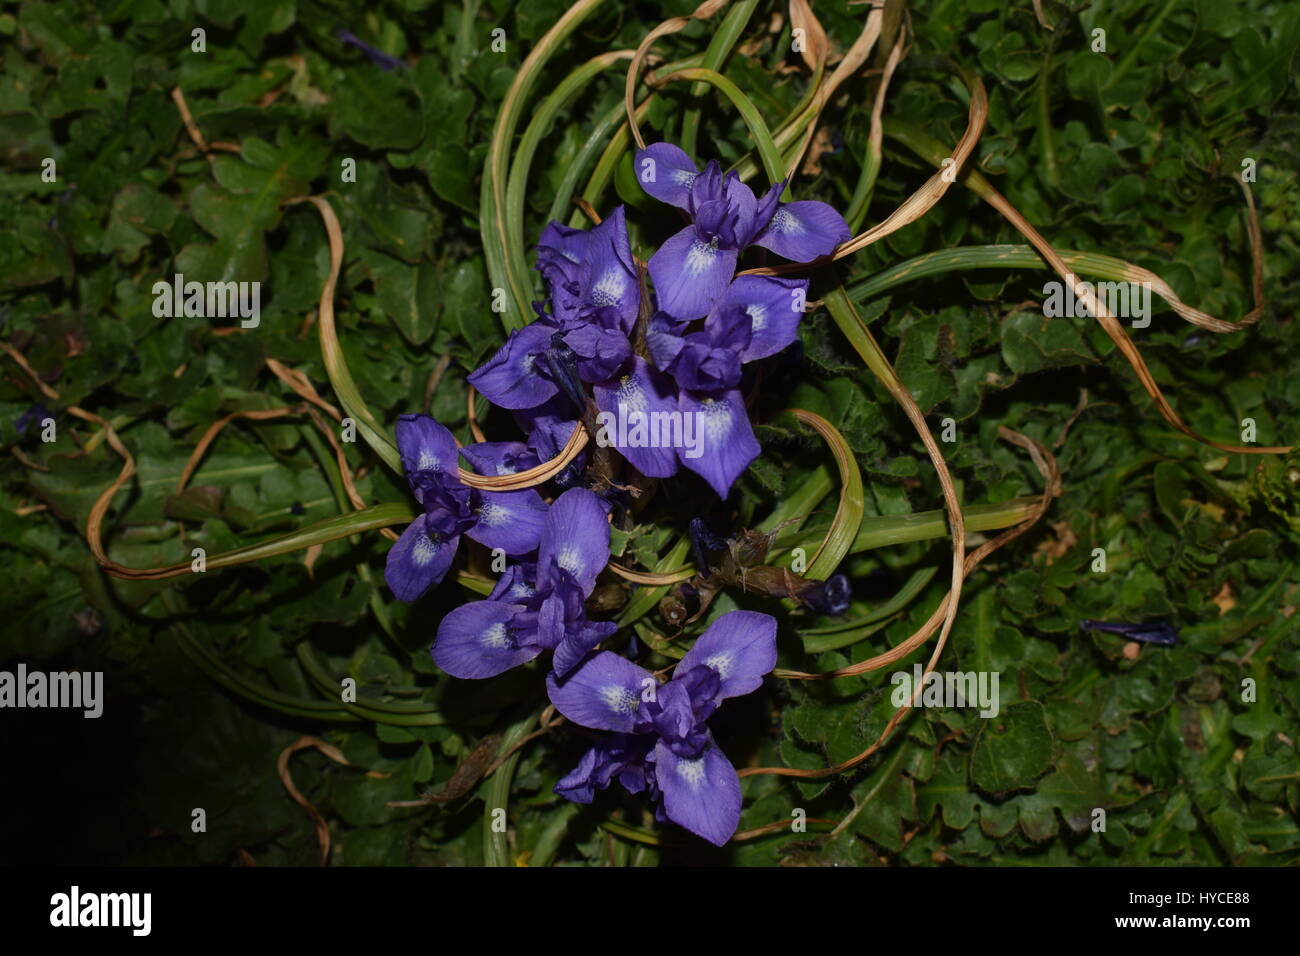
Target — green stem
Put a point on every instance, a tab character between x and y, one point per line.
537	129
507	268
496	848
729	31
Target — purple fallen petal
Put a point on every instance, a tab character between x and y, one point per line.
628	408
727	443
691	275
803	230
376	56
476	641
775	308
576	537
514	377
509	520
603	693
424	444
701	794
667	175
740	646
418	560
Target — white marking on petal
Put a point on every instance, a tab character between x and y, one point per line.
608	289
428	461
715	419
632	395
682	177
721	663
619	699
496	636
698	258
757	315
492	514
570	560
785	221
691	771
424	550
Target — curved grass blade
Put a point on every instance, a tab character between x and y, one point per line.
848	516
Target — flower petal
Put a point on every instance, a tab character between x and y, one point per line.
763	211
509	520
618	755
603	693
727	442
425	444
701	794
576	537
774	306
601	353
631	400
664	339
578	641
499	457
609	273
513	377
561	253
740	646
516	584
803	230
476	641
691	275
418	560
743	208
666	172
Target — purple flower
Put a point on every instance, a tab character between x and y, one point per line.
509	520
707	360
535	606
693	269
591	276
595	299
661	742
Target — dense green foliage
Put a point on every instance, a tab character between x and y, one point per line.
1129	153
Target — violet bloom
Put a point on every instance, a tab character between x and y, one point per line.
756	317
662	744
724	444
536	606
595	298
509	520
692	270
